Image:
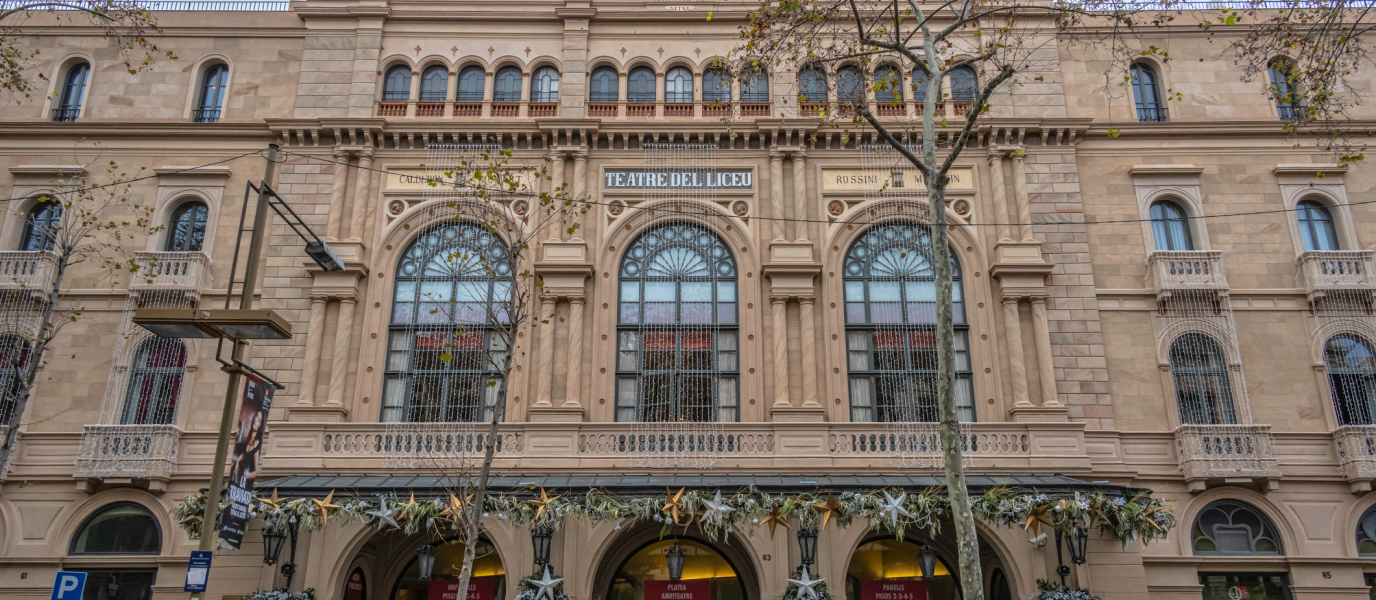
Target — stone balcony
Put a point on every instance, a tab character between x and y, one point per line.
185	272
1176	271
1232	453
1323	273
128	452
30	271
1356	446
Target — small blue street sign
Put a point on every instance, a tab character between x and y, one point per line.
69	585
198	571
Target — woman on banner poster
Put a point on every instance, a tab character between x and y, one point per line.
249	442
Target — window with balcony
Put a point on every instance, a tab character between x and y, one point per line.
544	85
812	85
212	96
677	347
890	294
155	382
605	86
678	86
472	80
716	87
755	87
1282	76
186	231
964	89
453	286
1170	226
508	85
1202	387
889	85
919	85
1351	366
850	85
1232	528
73	90
1146	93
396	86
14	359
641	86
41	226
434	85
1316	226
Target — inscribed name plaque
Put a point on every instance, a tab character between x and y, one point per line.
865	180
641	179
689	589
420	179
479	588
893	589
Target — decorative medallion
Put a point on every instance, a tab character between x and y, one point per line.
836	208
396	207
741	208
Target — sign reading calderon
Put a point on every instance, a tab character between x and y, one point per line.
419	179
685	589
893	589
864	180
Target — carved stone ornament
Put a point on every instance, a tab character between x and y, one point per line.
741	208
962	207
520	207
396	207
836	208
616	207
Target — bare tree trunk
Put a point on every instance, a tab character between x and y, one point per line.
480	495
35	359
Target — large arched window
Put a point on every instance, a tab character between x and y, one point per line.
889	85
434	84
155	382
1170	227
472	80
605	86
119	528
1366	533
964	84
1316	226
212	96
1283	89
41	226
640	86
1202	388
678	86
890	294
73	88
507	88
893	561
1351	366
850	85
677	353
812	85
702	563
1146	93
544	85
14	358
755	86
396	86
716	87
186	231
1232	528
453	283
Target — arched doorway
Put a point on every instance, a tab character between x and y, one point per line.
880	560
488	580
707	574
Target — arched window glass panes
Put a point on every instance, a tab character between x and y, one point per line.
73	87
1145	93
889	85
850	85
677	353
14	358
640	86
186	231
964	84
716	87
507	88
1170	227
1316	226
1231	528
890	294
453	283
678	86
472	80
434	84
1351	366
605	86
812	85
544	85
919	85
755	87
396	86
41	226
1283	89
1202	388
120	528
1366	533
998	586
212	94
155	382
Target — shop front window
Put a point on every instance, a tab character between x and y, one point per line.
889	566
705	571
1245	586
488	580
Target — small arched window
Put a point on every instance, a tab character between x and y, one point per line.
605	86
544	85
1316	226
1232	528
396	87
1146	93
812	85
73	88
850	85
1202	387
678	86
1283	90
14	358
41	226
434	84
472	80
888	85
212	94
1366	533
964	84
507	88
1170	226
155	382
716	87
186	231
1351	366
755	86
119	528
641	86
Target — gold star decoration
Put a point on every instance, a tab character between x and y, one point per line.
542	503
274	501
774	519
455	509
325	506
671	503
409	503
828	508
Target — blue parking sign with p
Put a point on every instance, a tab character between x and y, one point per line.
69	585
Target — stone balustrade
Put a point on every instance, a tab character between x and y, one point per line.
128	451
31	271
187	272
1225	451
1325	272
1174	271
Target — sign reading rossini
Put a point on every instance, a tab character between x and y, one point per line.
855	180
642	179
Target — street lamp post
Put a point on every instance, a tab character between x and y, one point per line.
272	548
539	541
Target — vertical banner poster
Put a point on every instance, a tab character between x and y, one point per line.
248	447
683	589
479	588
893	589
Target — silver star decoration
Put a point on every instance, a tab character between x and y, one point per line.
805	585
893	507
546	585
718	505
384	513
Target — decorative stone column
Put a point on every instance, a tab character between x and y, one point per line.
544	374
800	202
573	385
339	363
361	188
315	332
1000	196
1045	366
556	181
1020	196
780	333
776	193
341	181
580	190
1012	324
807	331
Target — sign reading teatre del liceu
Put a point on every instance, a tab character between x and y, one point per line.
691	179
861	180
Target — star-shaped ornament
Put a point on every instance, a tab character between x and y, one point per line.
806	585
718	505
384	514
893	507
542	503
546	585
828	508
671	503
324	506
274	501
455	509
774	519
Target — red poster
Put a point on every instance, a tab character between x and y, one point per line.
356	588
689	589
479	588
892	589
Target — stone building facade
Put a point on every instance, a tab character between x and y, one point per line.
1084	262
